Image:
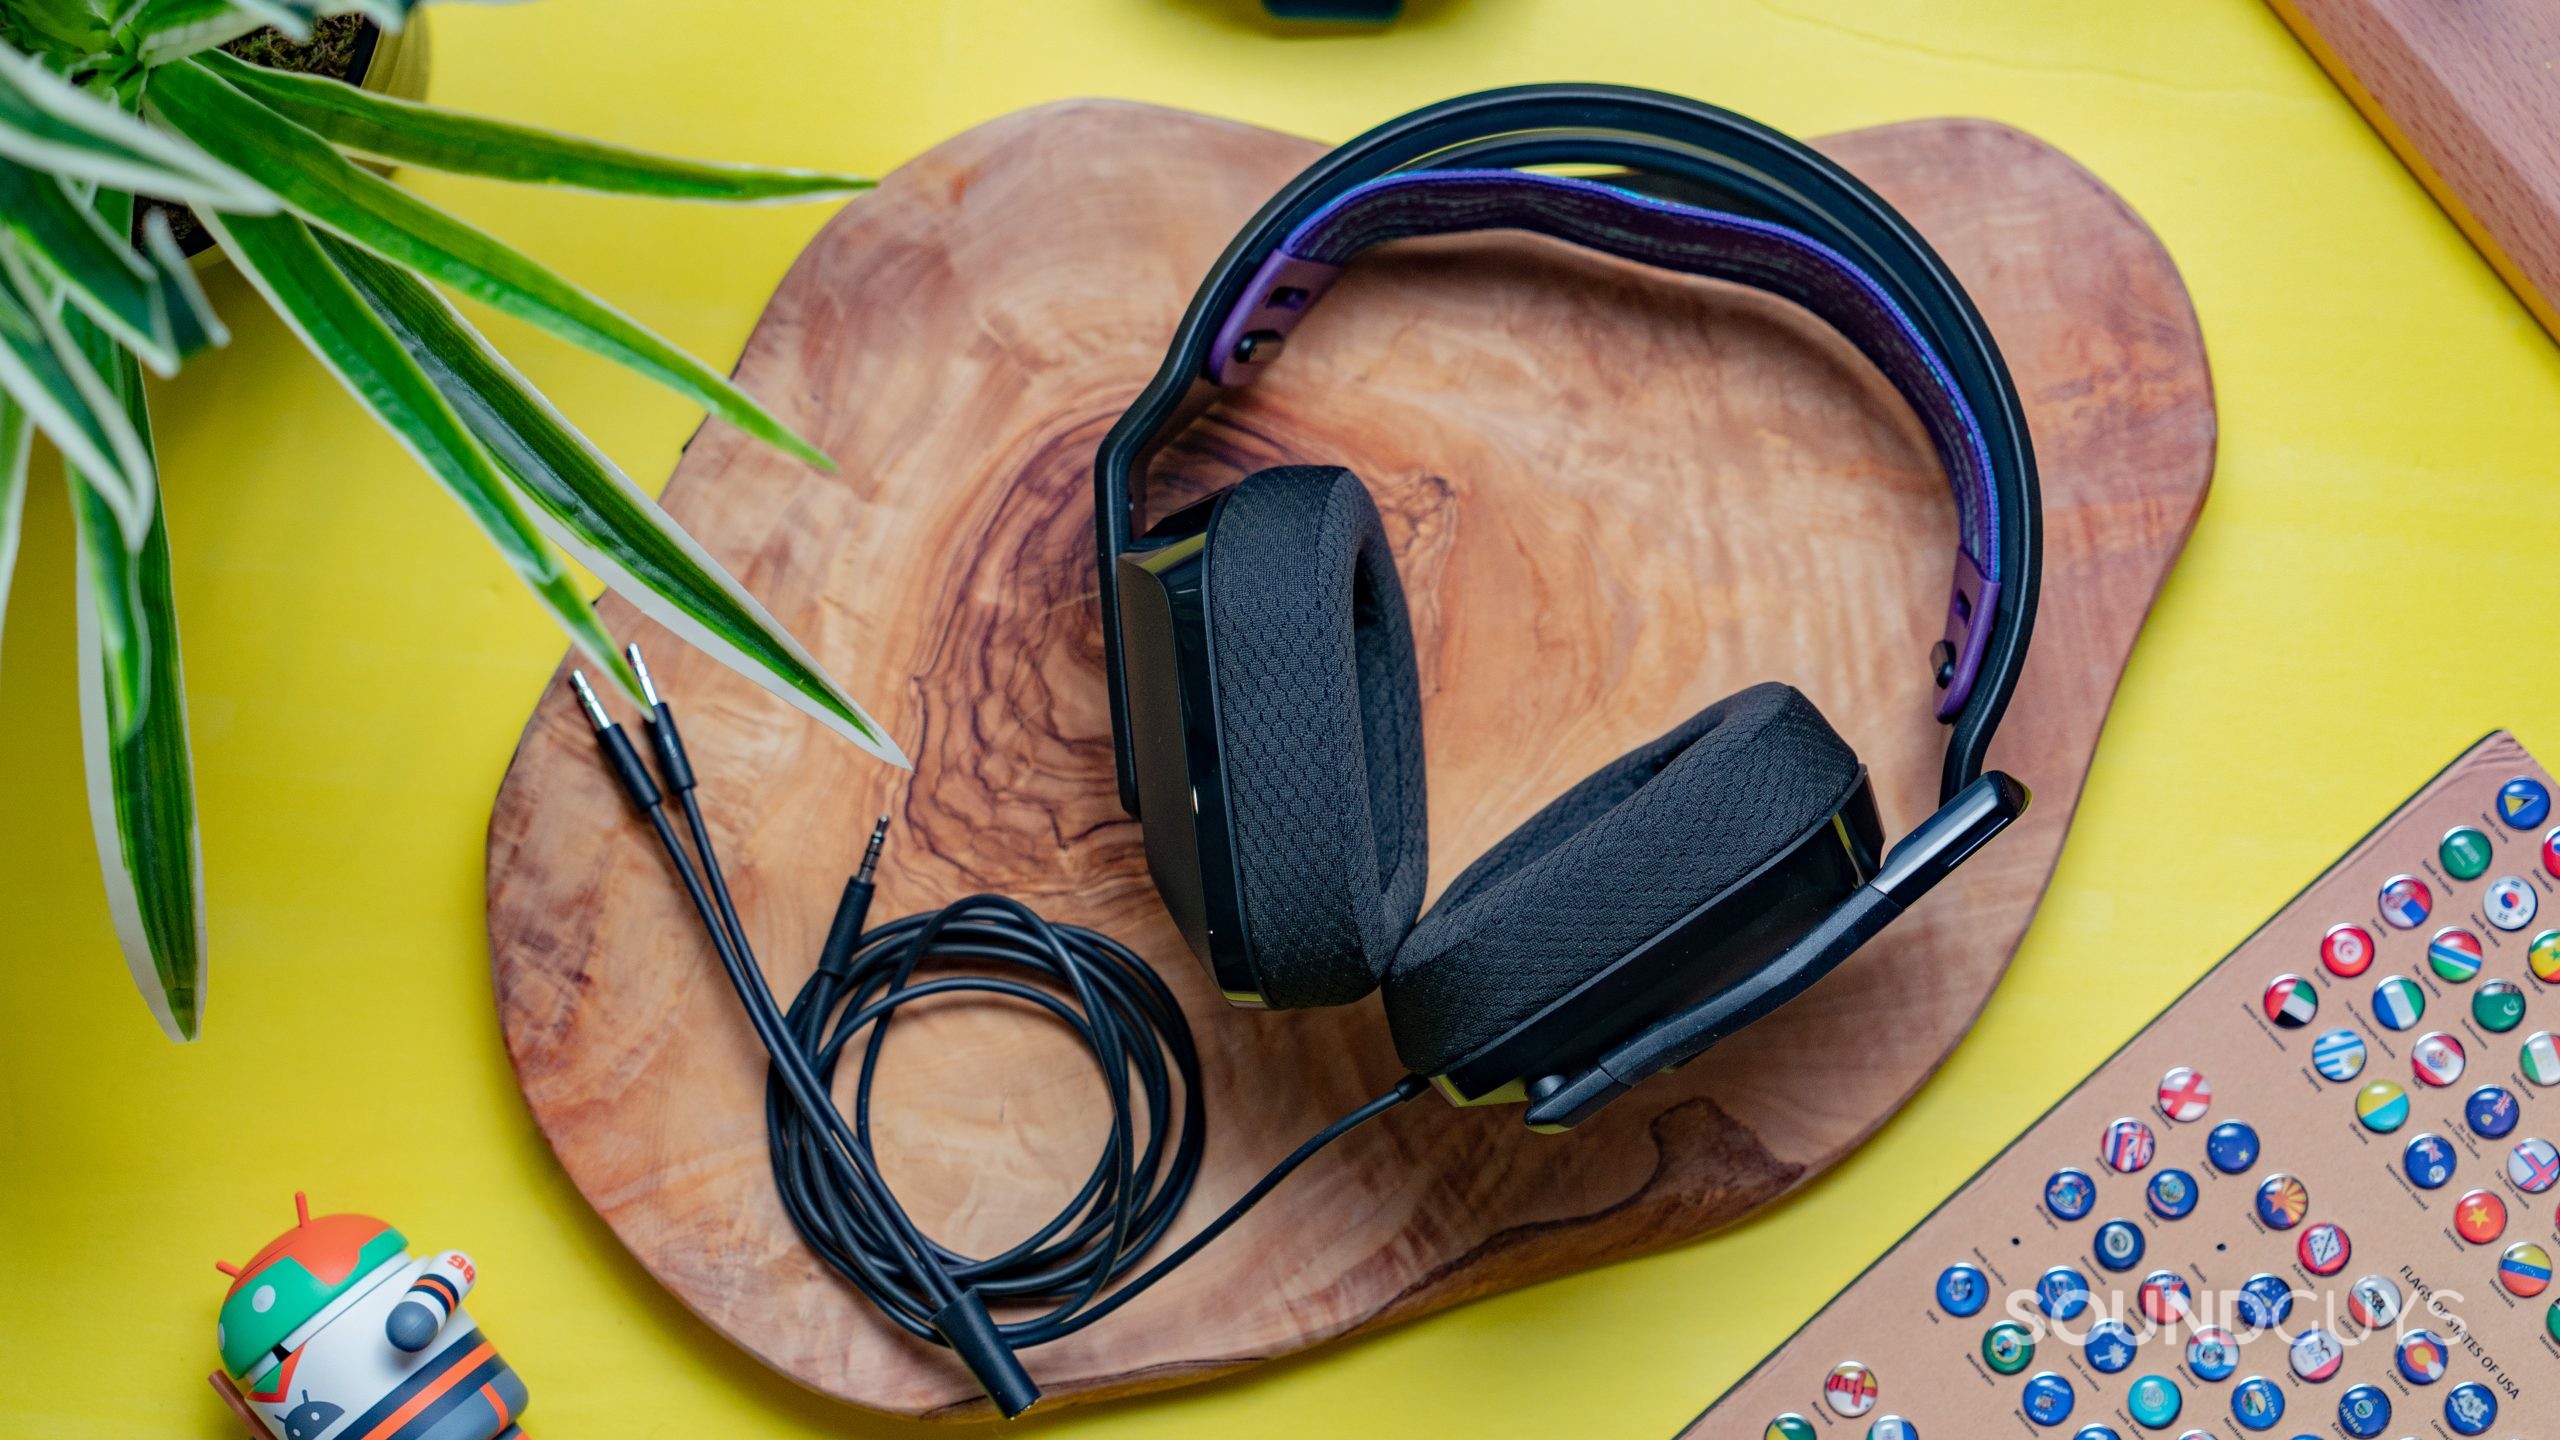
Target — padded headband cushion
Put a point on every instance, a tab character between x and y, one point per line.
1321	717
1651	836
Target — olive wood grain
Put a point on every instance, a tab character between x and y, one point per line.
1614	496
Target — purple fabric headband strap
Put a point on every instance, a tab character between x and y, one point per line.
1672	237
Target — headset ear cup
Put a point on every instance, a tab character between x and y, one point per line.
1320	718
1616	859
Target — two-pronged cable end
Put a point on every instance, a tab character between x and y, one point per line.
615	745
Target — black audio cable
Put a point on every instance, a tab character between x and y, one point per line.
823	1166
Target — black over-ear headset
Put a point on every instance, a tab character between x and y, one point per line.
1265	707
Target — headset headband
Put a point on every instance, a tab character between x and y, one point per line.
1784	219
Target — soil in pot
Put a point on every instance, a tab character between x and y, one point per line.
341	47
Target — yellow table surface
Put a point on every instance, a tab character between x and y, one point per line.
2366	594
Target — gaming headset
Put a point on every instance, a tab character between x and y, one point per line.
1266	710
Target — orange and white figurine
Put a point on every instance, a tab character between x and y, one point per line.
332	1332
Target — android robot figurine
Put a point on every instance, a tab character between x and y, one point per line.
333	1332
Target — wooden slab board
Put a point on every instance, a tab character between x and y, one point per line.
1614	497
2468	95
1930	1364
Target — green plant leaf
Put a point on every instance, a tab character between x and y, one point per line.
133	735
413	134
335	193
141	777
193	325
69	23
48	123
17	438
70	401
283	259
103	275
593	511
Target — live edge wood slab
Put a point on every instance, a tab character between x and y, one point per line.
1614	497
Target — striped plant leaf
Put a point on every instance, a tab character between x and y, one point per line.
593	511
52	125
72	24
335	193
134	746
17	438
68	397
283	259
409	133
97	267
193	325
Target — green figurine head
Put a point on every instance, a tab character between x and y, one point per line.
296	1277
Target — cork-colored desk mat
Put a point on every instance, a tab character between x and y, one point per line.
2314	1198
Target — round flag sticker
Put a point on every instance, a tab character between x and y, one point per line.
2119	1245
2069	1194
2471	1409
2185	1095
2464	853
2480	1217
2165	1297
2454	954
2291	1001
2315	1355
2048	1399
2491	1111
2383	1107
2338	1055
2437	1059
2509	902
2062	1293
2551	852
1851	1390
2257	1403
2406	901
2422	1358
2007	1347
2544	956
2171	1194
2523	803
2534	1165
2126	1147
2110	1346
2323	1249
1789	1427
2282	1202
2347	950
2212	1354
2399	1003
1962	1292
2364	1412
2429	1161
2525	1270
2153	1401
2541	1058
2498	1006
1893	1427
2374	1302
2232	1147
2263	1302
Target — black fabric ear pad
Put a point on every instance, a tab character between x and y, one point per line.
1320	713
1651	836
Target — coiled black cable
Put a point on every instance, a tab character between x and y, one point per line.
830	1183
